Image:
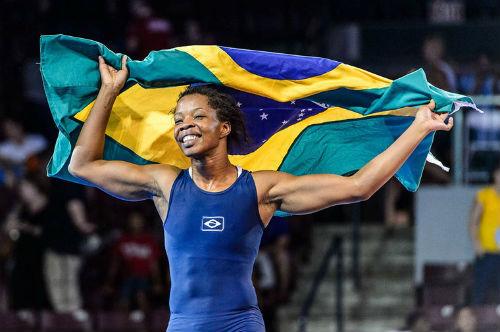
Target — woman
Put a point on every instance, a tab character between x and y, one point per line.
484	229
24	226
214	213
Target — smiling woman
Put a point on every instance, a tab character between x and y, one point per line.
227	110
214	213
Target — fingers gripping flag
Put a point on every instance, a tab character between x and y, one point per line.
304	114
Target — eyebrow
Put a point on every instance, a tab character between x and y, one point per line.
194	109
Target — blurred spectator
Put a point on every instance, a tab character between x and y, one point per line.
24	227
483	129
276	240
417	322
484	228
135	255
442	75
481	81
18	146
273	270
147	32
194	34
301	228
266	281
396	205
64	234
438	71
465	320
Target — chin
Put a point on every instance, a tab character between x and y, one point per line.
191	152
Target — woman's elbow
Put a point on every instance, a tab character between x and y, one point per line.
74	169
361	192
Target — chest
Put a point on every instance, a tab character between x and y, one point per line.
202	223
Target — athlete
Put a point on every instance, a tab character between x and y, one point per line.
214	213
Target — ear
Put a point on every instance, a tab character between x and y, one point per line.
225	129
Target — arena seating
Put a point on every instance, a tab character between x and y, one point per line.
65	322
14	322
114	321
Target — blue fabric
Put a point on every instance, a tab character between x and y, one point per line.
486	280
212	240
248	320
280	66
284	115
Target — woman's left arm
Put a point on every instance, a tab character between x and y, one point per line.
310	193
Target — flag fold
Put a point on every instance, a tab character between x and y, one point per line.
304	114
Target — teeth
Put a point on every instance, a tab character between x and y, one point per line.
188	138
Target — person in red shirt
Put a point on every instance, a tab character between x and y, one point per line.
136	254
148	31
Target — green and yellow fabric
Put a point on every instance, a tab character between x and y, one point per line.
304	114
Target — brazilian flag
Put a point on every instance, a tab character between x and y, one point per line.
304	114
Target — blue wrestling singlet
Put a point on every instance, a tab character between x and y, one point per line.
212	240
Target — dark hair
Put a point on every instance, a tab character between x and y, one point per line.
227	110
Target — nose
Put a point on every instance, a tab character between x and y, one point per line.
186	125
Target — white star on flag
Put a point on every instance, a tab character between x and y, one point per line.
263	116
239	104
292	102
284	122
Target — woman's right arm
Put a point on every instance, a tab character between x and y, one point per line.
118	178
475	219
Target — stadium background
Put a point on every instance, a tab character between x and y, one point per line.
455	41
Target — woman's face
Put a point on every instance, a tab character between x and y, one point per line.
197	128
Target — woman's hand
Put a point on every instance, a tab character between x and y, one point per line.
430	121
112	79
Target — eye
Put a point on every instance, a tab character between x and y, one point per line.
199	116
177	121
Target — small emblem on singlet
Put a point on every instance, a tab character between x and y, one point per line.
212	224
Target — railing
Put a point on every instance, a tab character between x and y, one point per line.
335	249
356	246
476	141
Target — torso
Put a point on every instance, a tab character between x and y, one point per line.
212	240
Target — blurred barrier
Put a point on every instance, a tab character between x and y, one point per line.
476	142
356	246
335	249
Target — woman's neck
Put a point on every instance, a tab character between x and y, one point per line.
212	173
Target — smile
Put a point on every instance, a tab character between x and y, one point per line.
189	138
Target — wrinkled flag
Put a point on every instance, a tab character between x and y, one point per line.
303	114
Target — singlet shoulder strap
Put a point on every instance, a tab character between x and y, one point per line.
240	170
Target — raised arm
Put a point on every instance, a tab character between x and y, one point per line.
310	193
118	178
